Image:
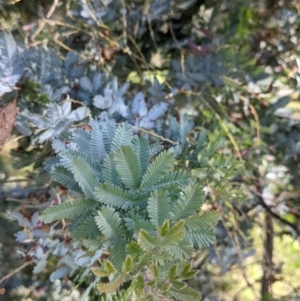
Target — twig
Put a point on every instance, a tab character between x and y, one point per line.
155	135
52	9
15	271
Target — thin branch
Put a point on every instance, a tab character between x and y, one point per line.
155	135
52	9
15	271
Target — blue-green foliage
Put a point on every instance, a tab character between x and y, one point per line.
132	204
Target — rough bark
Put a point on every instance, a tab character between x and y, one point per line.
7	120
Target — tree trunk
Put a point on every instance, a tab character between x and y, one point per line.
267	259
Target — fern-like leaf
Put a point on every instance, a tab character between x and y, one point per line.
117	253
109	222
155	148
82	139
84	176
92	244
114	196
157	169
109	171
184	294
173	180
109	128
201	238
65	177
128	167
97	143
66	210
206	220
85	228
158	207
123	136
189	202
140	146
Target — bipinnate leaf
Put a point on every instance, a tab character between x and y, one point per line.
146	241
185	294
123	136
189	202
172	272
97	144
206	220
114	196
175	234
140	146
201	238
106	269
109	171
108	288
66	210
84	176
109	222
128	167
63	176
158	207
127	265
157	169
187	272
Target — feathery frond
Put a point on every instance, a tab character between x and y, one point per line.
114	196
189	202
84	176
158	207
157	169
123	136
128	167
66	210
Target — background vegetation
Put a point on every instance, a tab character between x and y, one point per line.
224	79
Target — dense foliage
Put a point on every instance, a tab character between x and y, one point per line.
119	101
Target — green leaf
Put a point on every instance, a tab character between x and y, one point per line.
63	176
85	228
106	270
187	272
82	139
158	207
123	136
117	253
201	238
66	210
154	270
108	288
155	148
185	294
164	228
127	265
173	180
97	143
182	250
109	267
133	249
84	176
146	241
172	272
157	169
175	234
206	220
140	146
109	222
189	202
92	244
114	196
138	285
109	171
128	167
